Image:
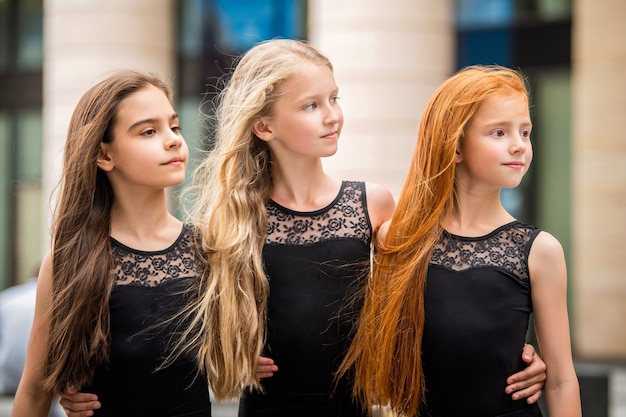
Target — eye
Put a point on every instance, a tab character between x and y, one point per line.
148	132
498	133
176	129
310	107
526	133
334	99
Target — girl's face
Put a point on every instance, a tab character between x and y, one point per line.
496	149
147	148
306	118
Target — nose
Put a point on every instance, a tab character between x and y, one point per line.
333	114
519	144
174	140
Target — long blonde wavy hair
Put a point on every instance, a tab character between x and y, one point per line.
227	199
79	338
385	355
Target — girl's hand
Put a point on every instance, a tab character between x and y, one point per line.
265	367
529	382
78	404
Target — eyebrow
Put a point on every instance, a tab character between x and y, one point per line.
174	116
495	123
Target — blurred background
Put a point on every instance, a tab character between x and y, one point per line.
389	57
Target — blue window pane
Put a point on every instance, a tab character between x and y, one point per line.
485	47
244	23
472	13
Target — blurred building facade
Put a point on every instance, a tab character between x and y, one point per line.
389	57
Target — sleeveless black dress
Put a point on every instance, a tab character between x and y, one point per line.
146	292
478	303
316	263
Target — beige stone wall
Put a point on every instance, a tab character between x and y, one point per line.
84	41
599	179
389	57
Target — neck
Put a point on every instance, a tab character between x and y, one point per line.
143	222
476	214
303	189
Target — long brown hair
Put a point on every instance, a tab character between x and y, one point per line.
79	335
229	191
385	355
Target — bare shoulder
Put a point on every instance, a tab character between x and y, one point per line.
546	261
546	247
380	203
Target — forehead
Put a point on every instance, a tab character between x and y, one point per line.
308	80
147	102
509	103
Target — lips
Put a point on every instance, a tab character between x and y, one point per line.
174	161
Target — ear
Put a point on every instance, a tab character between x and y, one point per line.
262	129
104	161
458	156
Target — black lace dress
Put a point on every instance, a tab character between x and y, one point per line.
316	263
478	304
148	290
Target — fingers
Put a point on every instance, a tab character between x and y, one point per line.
81	410
77	404
265	367
531	375
528	353
525	381
529	382
265	361
71	413
77	398
535	397
84	409
532	393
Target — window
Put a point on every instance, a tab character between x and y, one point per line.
21	61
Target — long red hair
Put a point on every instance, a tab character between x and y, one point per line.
385	356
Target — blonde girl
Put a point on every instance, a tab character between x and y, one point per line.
293	238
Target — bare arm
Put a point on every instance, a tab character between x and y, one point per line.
31	399
548	277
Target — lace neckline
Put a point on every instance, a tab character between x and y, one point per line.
506	248
119	244
313	212
488	235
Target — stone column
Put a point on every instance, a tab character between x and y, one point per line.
84	41
389	57
599	179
